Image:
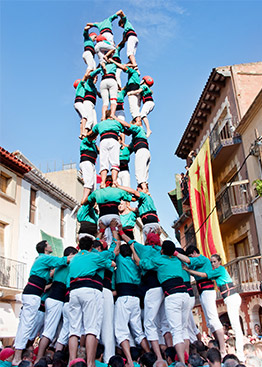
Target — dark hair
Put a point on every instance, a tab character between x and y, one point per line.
27	353
120	22
97	244
180	250
25	363
109	180
168	247
135	353
59	355
214	342
148	359
213	355
139	186
230	356
99	350
171	353
200	346
70	250
85	243
216	256
41	363
116	361
125	250
190	249
195	360
108	113
40	247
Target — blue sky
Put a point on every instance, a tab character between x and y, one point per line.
179	44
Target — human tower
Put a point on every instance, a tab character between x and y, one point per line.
77	291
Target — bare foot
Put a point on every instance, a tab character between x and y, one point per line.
102	186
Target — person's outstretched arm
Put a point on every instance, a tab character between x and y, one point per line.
130	190
122	122
120	66
182	257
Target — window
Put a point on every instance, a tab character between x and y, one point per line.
32	208
2	238
62	223
7	183
4	180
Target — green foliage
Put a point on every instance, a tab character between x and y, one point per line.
258	187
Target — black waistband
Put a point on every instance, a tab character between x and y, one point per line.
88	155
150	280
91	49
140	143
147	98
150	217
127	289
205	285
90	97
109	134
133	86
189	289
227	290
86	281
108	208
109	76
35	285
79	99
173	285
120	106
129	232
88	227
42	306
107	281
57	291
124	165
117	59
67	295
130	33
106	30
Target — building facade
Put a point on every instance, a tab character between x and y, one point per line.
220	111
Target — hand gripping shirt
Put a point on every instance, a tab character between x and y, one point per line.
108	129
87	213
110	71
106	25
88	151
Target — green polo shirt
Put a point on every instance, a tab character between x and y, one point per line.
145	204
109	195
108	125
133	77
121	96
137	132
127	25
44	263
220	275
87	40
107	23
127	271
128	220
61	274
200	263
80	89
110	68
124	154
88	145
146	91
87	213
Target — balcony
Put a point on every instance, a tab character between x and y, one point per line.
223	141
232	202
12	276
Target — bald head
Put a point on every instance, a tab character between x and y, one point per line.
160	364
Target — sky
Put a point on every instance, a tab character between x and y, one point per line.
179	44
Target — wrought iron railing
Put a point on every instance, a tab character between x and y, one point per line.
12	273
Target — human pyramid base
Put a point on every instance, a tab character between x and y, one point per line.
94	293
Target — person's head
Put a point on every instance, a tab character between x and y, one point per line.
192	251
98	245
215	261
195	360
77	362
122	206
249	349
42	362
213	344
109	181
230	360
135	353
140	187
170	354
43	247
125	250
231	345
160	363
137	121
93	36
225	328
70	250
100	351
153	239
257	328
253	361
85	243
214	356
108	114
168	248
25	363
116	361
27	355
121	23
147	359
7	354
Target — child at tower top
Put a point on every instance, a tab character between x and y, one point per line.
105	27
147	98
130	37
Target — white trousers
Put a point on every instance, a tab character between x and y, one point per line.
147	108
134	105
90	114
109	154
85	314
108	90
154	314
174	306
233	303
191	326
101	48
106	219
121	115
128	312
89	174
64	332
118	77
131	46
123	178
39	325
80	109
208	303
142	162
107	330
53	313
28	315
109	36
150	227
89	60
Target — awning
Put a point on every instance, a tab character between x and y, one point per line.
8	321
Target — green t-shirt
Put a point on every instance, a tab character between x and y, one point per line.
127	271
87	213
109	195
146	91
44	263
137	132
220	275
108	125
127	25
145	204
128	220
107	23
133	77
87	40
200	263
124	154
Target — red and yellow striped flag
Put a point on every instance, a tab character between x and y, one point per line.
202	203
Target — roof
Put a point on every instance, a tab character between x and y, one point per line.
207	100
11	161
